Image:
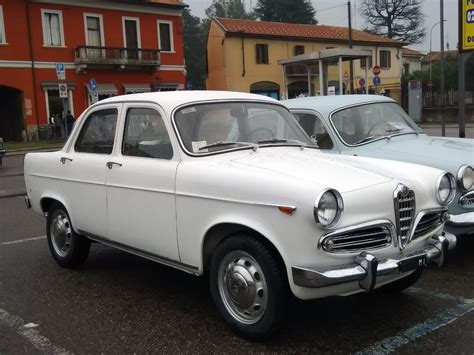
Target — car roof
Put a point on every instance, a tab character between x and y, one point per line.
327	104
172	99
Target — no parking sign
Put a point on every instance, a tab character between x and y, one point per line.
62	90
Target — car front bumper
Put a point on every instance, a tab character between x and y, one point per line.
462	223
366	267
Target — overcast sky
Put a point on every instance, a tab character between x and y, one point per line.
335	16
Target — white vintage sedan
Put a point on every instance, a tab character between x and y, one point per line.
229	184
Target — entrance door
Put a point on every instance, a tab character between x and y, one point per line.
11	113
132	42
140	183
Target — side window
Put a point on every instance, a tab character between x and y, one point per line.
146	135
98	133
314	127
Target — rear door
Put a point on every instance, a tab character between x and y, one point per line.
140	183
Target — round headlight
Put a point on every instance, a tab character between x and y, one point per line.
465	177
446	188
328	208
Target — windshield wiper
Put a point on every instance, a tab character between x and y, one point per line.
277	140
366	139
225	143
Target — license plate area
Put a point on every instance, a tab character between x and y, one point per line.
412	263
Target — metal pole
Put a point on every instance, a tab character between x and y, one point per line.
285	92
340	76
351	63
321	79
366	77
309	79
443	118
462	96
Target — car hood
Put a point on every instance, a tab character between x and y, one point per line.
441	152
340	172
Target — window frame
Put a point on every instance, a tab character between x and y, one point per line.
101	27
85	120
139	35
364	60
297	48
383	51
265	54
3	40
61	27
170	23
324	123
124	131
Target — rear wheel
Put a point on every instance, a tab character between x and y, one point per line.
68	248
403	284
248	286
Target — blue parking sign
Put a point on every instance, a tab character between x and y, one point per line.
377	80
60	71
93	84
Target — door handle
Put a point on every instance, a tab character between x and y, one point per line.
110	164
63	160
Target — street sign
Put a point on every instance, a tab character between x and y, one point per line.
331	90
94	96
382	91
466	25
60	71
376	70
362	83
62	90
93	84
377	80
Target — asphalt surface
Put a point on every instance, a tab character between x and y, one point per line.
118	303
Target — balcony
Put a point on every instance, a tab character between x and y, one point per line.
115	58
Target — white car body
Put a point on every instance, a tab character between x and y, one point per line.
176	211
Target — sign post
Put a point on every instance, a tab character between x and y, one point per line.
466	47
94	93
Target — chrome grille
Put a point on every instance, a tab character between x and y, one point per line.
354	240
404	201
427	223
467	200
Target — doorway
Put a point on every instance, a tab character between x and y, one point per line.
132	37
12	116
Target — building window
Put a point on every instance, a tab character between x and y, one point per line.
94	30
385	59
365	61
53	33
165	36
3	39
262	53
299	50
406	68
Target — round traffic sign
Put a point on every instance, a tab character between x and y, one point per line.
376	70
377	80
362	83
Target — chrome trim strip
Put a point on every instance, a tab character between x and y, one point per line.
376	223
157	258
27	202
405	191
463	219
464	200
366	267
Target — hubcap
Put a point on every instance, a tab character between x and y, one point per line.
242	287
60	230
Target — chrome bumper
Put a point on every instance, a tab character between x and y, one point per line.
461	220
367	267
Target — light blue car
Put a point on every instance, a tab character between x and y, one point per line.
376	126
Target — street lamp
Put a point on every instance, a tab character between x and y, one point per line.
431	33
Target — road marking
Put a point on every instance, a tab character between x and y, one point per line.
39	341
443	296
441	319
23	240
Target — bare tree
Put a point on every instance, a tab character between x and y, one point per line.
398	19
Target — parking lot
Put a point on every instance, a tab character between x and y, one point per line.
119	303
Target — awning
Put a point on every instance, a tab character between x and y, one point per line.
167	86
53	85
136	88
104	89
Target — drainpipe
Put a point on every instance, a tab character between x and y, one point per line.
243	55
32	59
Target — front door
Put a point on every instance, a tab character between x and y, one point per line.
83	167
141	185
131	38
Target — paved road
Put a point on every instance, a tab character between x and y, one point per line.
118	303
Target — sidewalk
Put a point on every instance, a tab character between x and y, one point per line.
18	148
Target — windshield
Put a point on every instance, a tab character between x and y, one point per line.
208	128
360	124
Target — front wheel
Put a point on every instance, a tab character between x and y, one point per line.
68	248
248	286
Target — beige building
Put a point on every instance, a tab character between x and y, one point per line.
411	61
243	56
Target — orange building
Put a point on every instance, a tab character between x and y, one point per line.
125	46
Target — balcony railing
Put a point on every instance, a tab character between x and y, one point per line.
118	57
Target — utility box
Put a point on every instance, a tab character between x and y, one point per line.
415	100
